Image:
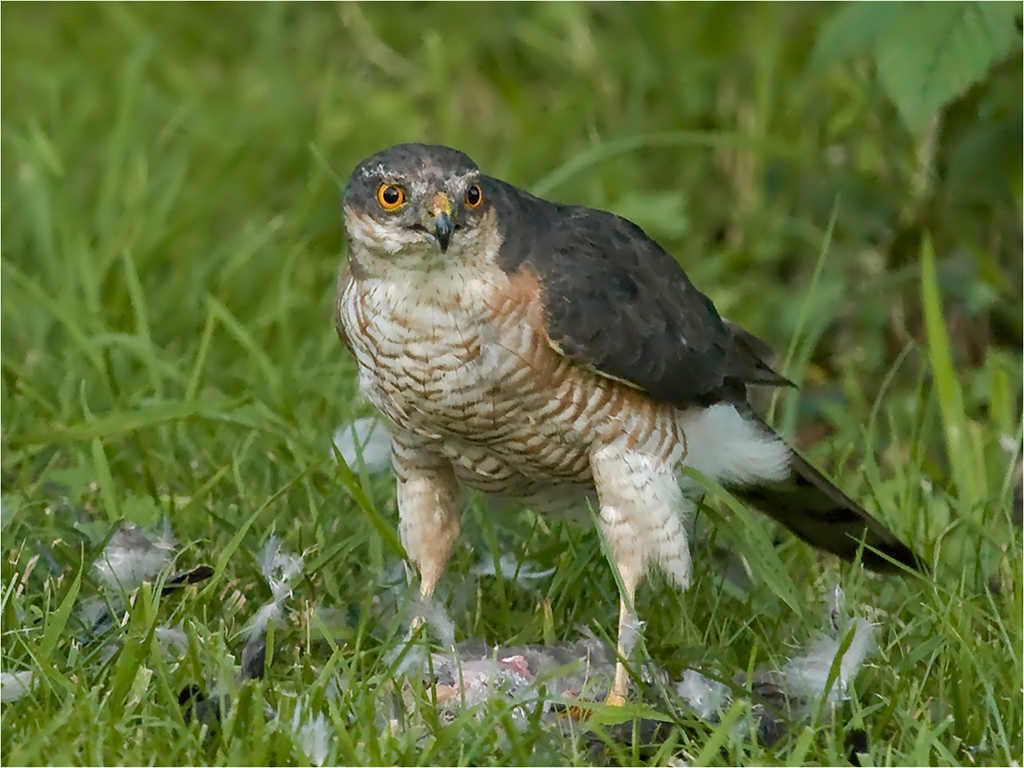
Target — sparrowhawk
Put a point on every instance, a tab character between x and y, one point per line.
550	353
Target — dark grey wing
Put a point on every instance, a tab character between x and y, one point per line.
615	302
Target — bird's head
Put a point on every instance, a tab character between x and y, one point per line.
417	207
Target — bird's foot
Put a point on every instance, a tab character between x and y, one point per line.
620	687
615	699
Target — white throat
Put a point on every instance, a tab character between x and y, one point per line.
411	259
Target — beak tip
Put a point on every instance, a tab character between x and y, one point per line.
442	230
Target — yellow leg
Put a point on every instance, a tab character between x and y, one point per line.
642	514
427	587
620	687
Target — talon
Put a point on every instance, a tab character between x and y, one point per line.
615	700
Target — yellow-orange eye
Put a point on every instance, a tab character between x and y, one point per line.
391	197
474	196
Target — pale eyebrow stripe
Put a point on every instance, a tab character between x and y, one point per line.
377	170
466	176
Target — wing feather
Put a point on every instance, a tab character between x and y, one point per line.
617	303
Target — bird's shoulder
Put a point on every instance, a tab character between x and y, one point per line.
616	302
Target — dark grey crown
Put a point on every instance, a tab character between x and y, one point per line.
407	161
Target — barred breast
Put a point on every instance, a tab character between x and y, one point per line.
464	370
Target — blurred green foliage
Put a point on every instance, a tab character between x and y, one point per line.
706	124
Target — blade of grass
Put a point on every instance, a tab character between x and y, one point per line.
248	343
58	621
761	555
56	310
128	421
105	480
137	295
607	150
947	387
711	750
236	540
819	267
201	354
383	527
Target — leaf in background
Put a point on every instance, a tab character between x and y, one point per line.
928	54
983	162
853	30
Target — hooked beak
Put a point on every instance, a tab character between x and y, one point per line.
441	224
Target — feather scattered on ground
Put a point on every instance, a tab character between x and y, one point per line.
314	734
512	569
368	438
17	685
708	697
279	569
132	556
564	679
807	674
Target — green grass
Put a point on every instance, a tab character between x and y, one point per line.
171	239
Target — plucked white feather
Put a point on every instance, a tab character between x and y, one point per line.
724	445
